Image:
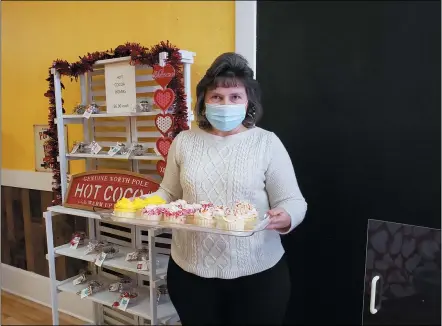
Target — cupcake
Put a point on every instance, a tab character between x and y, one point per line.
204	217
139	204
219	212
246	211
189	211
152	213
154	200
230	221
125	208
174	214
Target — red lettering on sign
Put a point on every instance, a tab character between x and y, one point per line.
104	188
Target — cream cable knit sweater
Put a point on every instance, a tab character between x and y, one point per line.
252	165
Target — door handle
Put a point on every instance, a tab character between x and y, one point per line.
373	307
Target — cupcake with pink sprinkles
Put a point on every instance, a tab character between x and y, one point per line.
174	214
152	213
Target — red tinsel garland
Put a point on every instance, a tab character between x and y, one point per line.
139	55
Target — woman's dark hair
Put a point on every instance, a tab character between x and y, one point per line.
229	70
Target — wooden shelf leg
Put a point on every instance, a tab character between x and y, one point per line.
51	260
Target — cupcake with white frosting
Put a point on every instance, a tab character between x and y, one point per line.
152	213
204	217
231	221
174	214
247	212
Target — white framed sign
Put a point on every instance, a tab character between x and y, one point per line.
121	93
41	147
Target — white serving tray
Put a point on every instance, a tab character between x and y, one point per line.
260	225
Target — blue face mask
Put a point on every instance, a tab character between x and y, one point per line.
225	117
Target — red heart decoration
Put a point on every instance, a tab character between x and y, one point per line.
163	145
161	167
164	98
163	75
164	123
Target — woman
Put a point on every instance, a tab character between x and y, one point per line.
218	279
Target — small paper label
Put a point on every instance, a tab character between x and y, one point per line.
87	113
79	280
85	293
156	151
74	242
132	256
123	303
95	148
100	259
114	287
75	148
114	150
142	266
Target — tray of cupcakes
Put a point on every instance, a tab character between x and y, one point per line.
240	220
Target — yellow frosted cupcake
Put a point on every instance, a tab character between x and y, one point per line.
154	200
125	208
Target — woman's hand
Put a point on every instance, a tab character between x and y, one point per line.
279	220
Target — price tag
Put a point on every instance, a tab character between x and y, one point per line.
114	150
156	151
85	293
87	113
123	303
75	148
142	265
95	148
100	259
131	256
74	242
79	280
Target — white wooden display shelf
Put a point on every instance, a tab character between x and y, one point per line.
140	307
131	128
119	261
151	157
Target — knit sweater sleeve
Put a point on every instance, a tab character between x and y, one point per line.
170	188
281	184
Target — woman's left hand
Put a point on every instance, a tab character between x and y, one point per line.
279	220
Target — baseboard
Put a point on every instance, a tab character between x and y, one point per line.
36	288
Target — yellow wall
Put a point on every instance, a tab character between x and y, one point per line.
34	33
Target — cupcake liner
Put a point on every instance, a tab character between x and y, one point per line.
175	219
237	225
152	218
125	214
205	222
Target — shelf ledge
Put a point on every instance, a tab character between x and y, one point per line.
165	311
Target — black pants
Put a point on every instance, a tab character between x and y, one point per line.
258	299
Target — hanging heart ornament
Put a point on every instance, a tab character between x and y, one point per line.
164	123
164	98
163	75
161	167
163	146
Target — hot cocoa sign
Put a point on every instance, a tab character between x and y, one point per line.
102	189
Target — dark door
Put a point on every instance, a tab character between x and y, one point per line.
402	275
353	90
